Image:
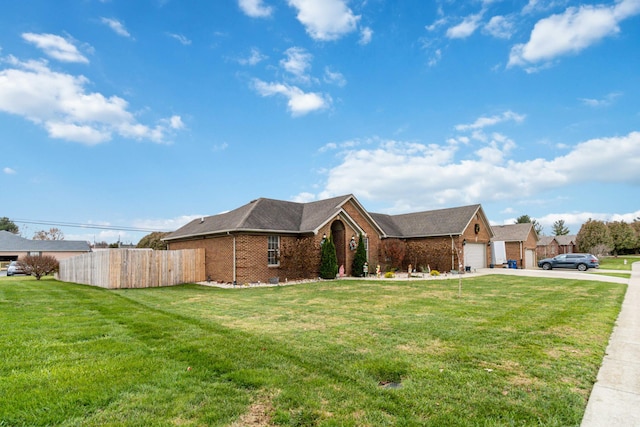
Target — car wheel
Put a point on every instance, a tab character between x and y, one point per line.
546	266
582	267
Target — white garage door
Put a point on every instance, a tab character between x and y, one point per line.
475	255
529	258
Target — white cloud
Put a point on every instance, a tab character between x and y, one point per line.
56	47
299	102
334	77
437	24
466	28
254	58
60	104
297	62
182	39
500	27
429	176
435	58
575	220
255	8
303	197
117	26
325	19
483	122
9	171
604	102
571	32
366	34
166	224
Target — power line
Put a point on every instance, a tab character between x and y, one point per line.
91	226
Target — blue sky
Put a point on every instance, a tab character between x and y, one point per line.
147	114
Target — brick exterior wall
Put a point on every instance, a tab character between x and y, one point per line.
516	250
218	256
433	252
548	251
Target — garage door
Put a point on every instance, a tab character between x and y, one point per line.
475	255
529	258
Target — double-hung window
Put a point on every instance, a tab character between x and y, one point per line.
273	250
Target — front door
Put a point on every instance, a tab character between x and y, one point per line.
338	234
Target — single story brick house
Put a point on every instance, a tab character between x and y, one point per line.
515	242
13	246
275	240
550	246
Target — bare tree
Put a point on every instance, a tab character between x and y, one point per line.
38	266
52	234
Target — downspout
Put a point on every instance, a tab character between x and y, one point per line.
234	260
234	257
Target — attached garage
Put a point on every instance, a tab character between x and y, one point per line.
475	255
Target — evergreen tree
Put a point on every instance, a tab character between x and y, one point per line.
328	260
359	259
7	225
559	229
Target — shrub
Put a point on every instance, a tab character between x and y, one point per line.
435	273
328	260
389	275
38	266
359	259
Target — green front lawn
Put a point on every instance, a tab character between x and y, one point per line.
618	263
510	351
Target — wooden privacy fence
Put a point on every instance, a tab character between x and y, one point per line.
134	268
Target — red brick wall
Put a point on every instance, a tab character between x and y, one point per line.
218	256
434	252
548	251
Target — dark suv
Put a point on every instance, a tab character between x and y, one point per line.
580	261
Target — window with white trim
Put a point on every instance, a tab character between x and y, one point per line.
273	250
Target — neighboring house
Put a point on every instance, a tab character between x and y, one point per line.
13	247
547	247
550	246
567	244
515	242
275	240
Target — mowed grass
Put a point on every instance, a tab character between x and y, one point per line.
510	351
618	263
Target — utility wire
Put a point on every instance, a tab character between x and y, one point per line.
78	225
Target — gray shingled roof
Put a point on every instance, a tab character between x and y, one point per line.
569	239
545	240
511	232
441	222
10	242
266	215
277	216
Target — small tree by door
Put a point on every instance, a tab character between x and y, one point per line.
328	260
